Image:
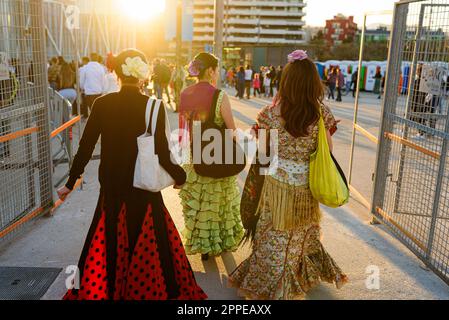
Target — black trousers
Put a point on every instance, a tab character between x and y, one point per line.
339	94
88	101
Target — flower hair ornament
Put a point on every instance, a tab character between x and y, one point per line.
297	55
195	68
135	67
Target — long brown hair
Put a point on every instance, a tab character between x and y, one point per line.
301	95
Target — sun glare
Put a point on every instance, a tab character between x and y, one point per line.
142	10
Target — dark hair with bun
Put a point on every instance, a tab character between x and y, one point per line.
119	60
205	61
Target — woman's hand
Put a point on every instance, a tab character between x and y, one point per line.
177	187
63	193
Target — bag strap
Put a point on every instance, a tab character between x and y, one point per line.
155	115
148	113
213	107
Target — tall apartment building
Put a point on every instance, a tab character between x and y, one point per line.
255	31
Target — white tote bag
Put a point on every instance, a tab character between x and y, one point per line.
149	174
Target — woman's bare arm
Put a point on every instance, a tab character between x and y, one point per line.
226	113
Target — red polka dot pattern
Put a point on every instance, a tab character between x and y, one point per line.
140	276
93	284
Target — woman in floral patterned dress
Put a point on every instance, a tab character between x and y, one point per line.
288	258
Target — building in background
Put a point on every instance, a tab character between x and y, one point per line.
257	32
340	29
311	32
381	33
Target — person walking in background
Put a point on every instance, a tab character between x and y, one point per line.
256	85
340	83
354	84
267	84
288	258
332	82
53	73
211	206
418	100
92	83
66	85
230	77
272	76
133	250
262	79
165	76
241	83
382	87
278	77
248	81
110	80
155	77
84	61
161	78
377	81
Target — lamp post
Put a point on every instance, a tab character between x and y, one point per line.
178	79
218	36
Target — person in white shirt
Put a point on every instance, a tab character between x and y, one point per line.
248	81
92	83
266	82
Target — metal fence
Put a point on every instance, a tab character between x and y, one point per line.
76	28
26	189
36	123
411	190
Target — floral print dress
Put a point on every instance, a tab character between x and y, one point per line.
288	258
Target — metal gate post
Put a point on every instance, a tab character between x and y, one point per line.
436	203
43	135
357	96
411	89
391	97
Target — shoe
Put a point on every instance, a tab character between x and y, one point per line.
205	257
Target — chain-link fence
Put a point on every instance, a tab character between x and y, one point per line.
26	188
411	187
37	133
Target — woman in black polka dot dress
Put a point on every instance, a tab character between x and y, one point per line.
133	250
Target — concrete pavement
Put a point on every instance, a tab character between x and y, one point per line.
360	249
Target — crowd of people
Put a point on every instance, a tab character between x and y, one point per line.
253	83
133	250
335	80
97	78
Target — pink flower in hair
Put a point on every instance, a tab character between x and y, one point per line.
297	55
195	68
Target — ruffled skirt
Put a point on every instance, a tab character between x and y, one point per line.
285	265
211	210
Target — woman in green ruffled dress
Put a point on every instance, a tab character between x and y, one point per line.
211	206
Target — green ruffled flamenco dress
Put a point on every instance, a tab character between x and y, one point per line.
211	210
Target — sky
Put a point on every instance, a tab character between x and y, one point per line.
318	11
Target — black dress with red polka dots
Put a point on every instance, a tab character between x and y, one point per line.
133	250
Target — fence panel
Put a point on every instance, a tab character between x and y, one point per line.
26	189
411	191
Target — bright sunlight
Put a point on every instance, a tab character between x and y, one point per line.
142	10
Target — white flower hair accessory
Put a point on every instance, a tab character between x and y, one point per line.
135	67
